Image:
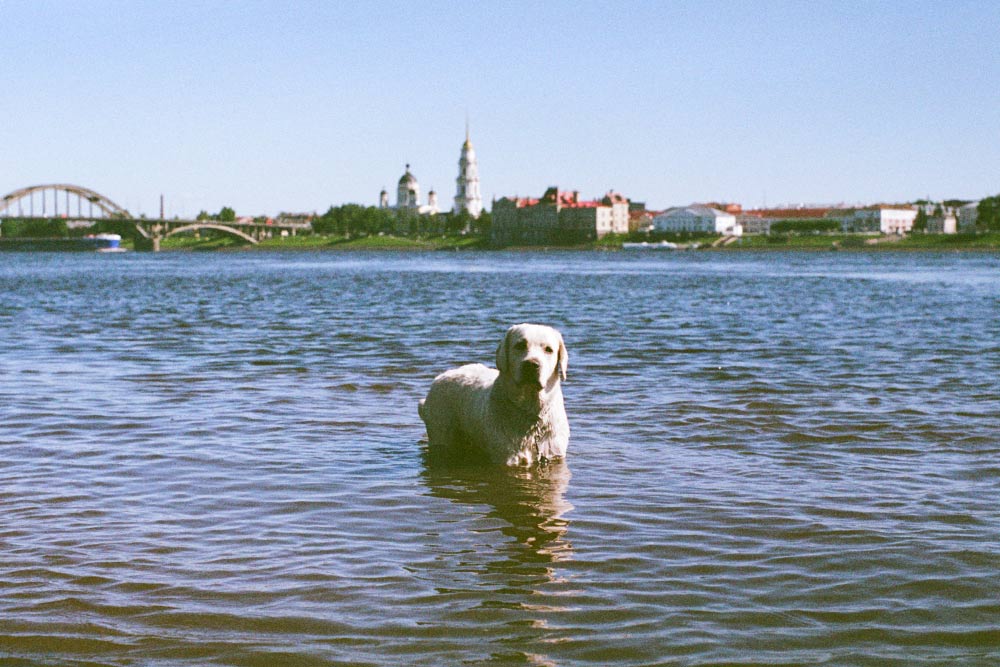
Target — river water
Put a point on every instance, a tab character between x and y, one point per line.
781	459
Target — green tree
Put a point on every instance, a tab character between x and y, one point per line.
227	214
920	222
988	211
459	222
483	225
354	220
47	228
326	223
817	226
123	228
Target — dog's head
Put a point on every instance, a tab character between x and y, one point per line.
532	357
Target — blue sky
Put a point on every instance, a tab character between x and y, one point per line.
272	106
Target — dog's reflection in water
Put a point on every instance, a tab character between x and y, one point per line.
526	504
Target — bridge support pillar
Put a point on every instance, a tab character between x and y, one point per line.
156	234
150	241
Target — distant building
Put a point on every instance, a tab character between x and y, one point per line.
754	225
286	218
968	217
467	195
639	219
620	208
758	221
881	219
942	224
697	218
408	197
728	207
558	217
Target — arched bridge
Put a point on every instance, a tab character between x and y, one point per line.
83	205
25	199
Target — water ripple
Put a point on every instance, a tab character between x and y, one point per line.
776	459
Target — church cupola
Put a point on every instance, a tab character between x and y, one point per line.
408	191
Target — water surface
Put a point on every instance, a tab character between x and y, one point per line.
775	459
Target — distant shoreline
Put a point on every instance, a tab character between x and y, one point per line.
989	242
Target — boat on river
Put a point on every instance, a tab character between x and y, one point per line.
646	245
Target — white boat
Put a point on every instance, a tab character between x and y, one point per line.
646	245
106	242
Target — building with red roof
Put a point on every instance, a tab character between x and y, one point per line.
557	217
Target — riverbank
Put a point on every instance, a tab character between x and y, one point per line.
989	242
324	242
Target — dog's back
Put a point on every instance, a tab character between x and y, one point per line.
457	400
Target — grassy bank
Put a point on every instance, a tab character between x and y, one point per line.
322	242
845	242
853	242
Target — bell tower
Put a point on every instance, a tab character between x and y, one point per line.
467	195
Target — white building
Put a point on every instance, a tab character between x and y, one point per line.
884	219
467	195
618	221
408	197
697	218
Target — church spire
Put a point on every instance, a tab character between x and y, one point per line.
467	195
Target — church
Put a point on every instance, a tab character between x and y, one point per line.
468	197
408	197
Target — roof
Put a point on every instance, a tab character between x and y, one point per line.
614	198
788	213
407	177
520	202
699	210
568	199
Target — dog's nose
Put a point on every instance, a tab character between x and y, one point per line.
530	368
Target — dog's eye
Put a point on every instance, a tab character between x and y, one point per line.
548	349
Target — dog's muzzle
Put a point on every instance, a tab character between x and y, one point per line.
531	373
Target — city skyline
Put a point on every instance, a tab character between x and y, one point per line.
267	108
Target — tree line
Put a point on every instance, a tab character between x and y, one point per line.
349	220
989	214
817	226
353	220
52	228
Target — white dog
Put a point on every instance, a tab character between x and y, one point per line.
513	414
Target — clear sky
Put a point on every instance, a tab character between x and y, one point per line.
296	106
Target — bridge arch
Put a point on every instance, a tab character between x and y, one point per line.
104	205
210	225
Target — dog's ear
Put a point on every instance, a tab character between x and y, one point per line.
502	352
563	360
